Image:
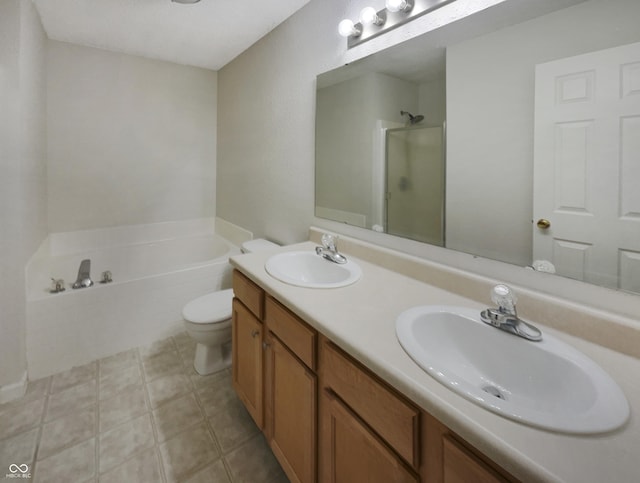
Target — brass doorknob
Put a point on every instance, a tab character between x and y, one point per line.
543	224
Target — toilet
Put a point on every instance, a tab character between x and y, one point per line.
208	322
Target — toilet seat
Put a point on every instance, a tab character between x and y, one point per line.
210	308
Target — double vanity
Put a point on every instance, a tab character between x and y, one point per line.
384	377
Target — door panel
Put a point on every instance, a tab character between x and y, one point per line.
587	166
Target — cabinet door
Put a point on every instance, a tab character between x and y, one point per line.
350	451
247	360
291	390
460	466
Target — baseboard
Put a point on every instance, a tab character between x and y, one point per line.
15	390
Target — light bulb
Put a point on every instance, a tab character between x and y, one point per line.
347	29
398	5
369	16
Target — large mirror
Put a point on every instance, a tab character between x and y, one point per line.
513	134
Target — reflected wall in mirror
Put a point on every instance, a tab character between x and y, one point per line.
542	118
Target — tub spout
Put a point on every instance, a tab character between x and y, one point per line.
84	275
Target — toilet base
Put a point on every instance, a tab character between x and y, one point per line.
210	359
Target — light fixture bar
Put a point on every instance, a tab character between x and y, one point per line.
364	32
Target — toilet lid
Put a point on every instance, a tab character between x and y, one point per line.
210	308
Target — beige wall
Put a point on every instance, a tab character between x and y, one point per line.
130	140
23	223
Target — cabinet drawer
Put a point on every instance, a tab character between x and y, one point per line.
249	294
293	332
394	419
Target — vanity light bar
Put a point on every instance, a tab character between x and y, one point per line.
396	13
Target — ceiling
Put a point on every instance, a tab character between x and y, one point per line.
207	34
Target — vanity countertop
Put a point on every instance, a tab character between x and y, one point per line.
361	319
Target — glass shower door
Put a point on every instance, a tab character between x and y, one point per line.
415	188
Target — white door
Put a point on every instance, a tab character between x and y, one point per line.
587	166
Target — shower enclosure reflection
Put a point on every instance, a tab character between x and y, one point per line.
415	183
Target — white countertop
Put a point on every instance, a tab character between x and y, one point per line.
360	318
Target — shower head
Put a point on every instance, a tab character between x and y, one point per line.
413	119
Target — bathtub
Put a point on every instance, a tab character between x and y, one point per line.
155	269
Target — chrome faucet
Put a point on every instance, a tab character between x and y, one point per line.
84	275
505	316
329	251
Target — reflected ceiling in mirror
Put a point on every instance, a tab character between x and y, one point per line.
532	111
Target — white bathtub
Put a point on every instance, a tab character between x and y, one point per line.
152	280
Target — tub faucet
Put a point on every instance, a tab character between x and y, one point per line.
84	275
505	316
329	251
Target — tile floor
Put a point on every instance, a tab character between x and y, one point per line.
143	415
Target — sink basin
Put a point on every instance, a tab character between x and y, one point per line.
308	269
547	384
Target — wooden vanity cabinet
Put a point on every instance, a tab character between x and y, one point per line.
275	377
247	346
327	418
291	392
369	429
365	427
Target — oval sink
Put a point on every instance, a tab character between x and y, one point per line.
547	384
308	269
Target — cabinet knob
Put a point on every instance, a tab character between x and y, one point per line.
265	345
254	333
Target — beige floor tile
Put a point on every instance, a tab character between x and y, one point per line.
175	416
195	419
218	395
73	464
188	354
183	338
143	468
215	473
71	400
163	364
168	387
67	431
19	449
187	452
118	361
157	347
233	426
35	390
124	407
254	462
117	382
21	417
73	377
206	381
118	444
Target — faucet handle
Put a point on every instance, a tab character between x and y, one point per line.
504	298
329	241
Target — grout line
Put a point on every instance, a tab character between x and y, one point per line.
96	429
154	429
